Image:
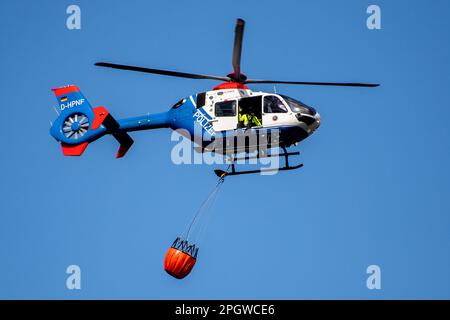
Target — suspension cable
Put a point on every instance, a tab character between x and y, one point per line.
206	203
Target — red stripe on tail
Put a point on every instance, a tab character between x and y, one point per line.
65	90
74	150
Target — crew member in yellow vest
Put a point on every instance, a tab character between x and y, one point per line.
249	120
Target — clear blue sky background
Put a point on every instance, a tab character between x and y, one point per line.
374	190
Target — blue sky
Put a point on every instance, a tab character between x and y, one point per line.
374	189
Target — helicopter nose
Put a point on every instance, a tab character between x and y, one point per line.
316	124
317	117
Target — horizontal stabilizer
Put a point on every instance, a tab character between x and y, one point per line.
125	143
123	138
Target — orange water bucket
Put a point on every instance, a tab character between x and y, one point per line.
180	258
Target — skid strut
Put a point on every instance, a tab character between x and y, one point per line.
233	172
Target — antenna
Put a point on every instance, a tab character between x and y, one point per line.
56	110
275	89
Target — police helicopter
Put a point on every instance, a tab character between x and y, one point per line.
223	115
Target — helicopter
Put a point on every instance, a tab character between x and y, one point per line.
228	112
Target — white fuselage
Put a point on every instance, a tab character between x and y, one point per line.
225	106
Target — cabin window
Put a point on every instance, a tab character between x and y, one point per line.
272	104
225	109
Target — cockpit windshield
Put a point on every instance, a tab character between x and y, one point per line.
298	106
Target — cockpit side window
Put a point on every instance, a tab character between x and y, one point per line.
272	104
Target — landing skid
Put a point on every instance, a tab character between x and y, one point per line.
222	174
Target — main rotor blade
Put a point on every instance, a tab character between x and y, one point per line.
161	72
237	49
339	84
